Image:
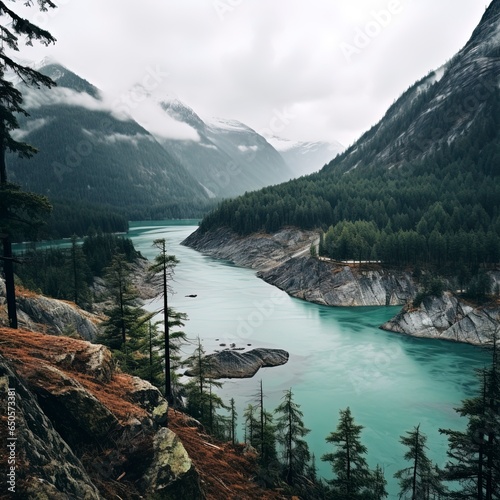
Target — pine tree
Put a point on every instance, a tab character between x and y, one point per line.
420	480
141	355
379	484
352	475
124	315
290	435
250	424
202	402
176	338
233	421
17	207
475	452
163	265
79	273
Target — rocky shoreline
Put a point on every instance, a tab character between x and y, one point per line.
447	318
257	251
333	284
283	260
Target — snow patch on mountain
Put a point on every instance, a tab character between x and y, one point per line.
305	157
245	149
228	125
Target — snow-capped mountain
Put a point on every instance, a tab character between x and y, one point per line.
305	157
229	158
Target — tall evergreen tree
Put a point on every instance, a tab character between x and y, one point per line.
420	480
163	265
379	483
124	315
475	452
233	415
17	207
80	274
352	475
290	435
202	402
250	424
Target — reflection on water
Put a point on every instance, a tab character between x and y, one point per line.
338	356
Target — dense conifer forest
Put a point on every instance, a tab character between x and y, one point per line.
440	210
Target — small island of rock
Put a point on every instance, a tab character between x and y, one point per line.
233	364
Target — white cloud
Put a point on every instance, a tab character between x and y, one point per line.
145	111
116	138
153	118
261	56
34	99
30	126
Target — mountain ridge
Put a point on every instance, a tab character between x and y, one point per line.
104	159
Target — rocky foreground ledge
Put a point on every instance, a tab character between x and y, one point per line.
82	428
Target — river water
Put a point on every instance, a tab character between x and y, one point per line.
338	356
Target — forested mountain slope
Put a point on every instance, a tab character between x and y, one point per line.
95	165
419	187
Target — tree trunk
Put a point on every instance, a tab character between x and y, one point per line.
415	467
168	379
8	267
8	264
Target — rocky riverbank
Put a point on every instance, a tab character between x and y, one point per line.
283	260
447	318
334	284
256	251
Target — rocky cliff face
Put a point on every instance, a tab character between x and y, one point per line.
447	318
257	251
283	260
83	429
329	283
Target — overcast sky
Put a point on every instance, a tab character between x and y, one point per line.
306	70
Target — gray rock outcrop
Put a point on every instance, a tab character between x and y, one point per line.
328	283
234	364
54	470
171	473
55	317
447	318
81	425
256	251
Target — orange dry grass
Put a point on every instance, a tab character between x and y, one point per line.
28	351
224	469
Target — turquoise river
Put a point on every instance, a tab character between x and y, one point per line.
338	356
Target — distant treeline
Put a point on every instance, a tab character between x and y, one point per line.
69	273
79	217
